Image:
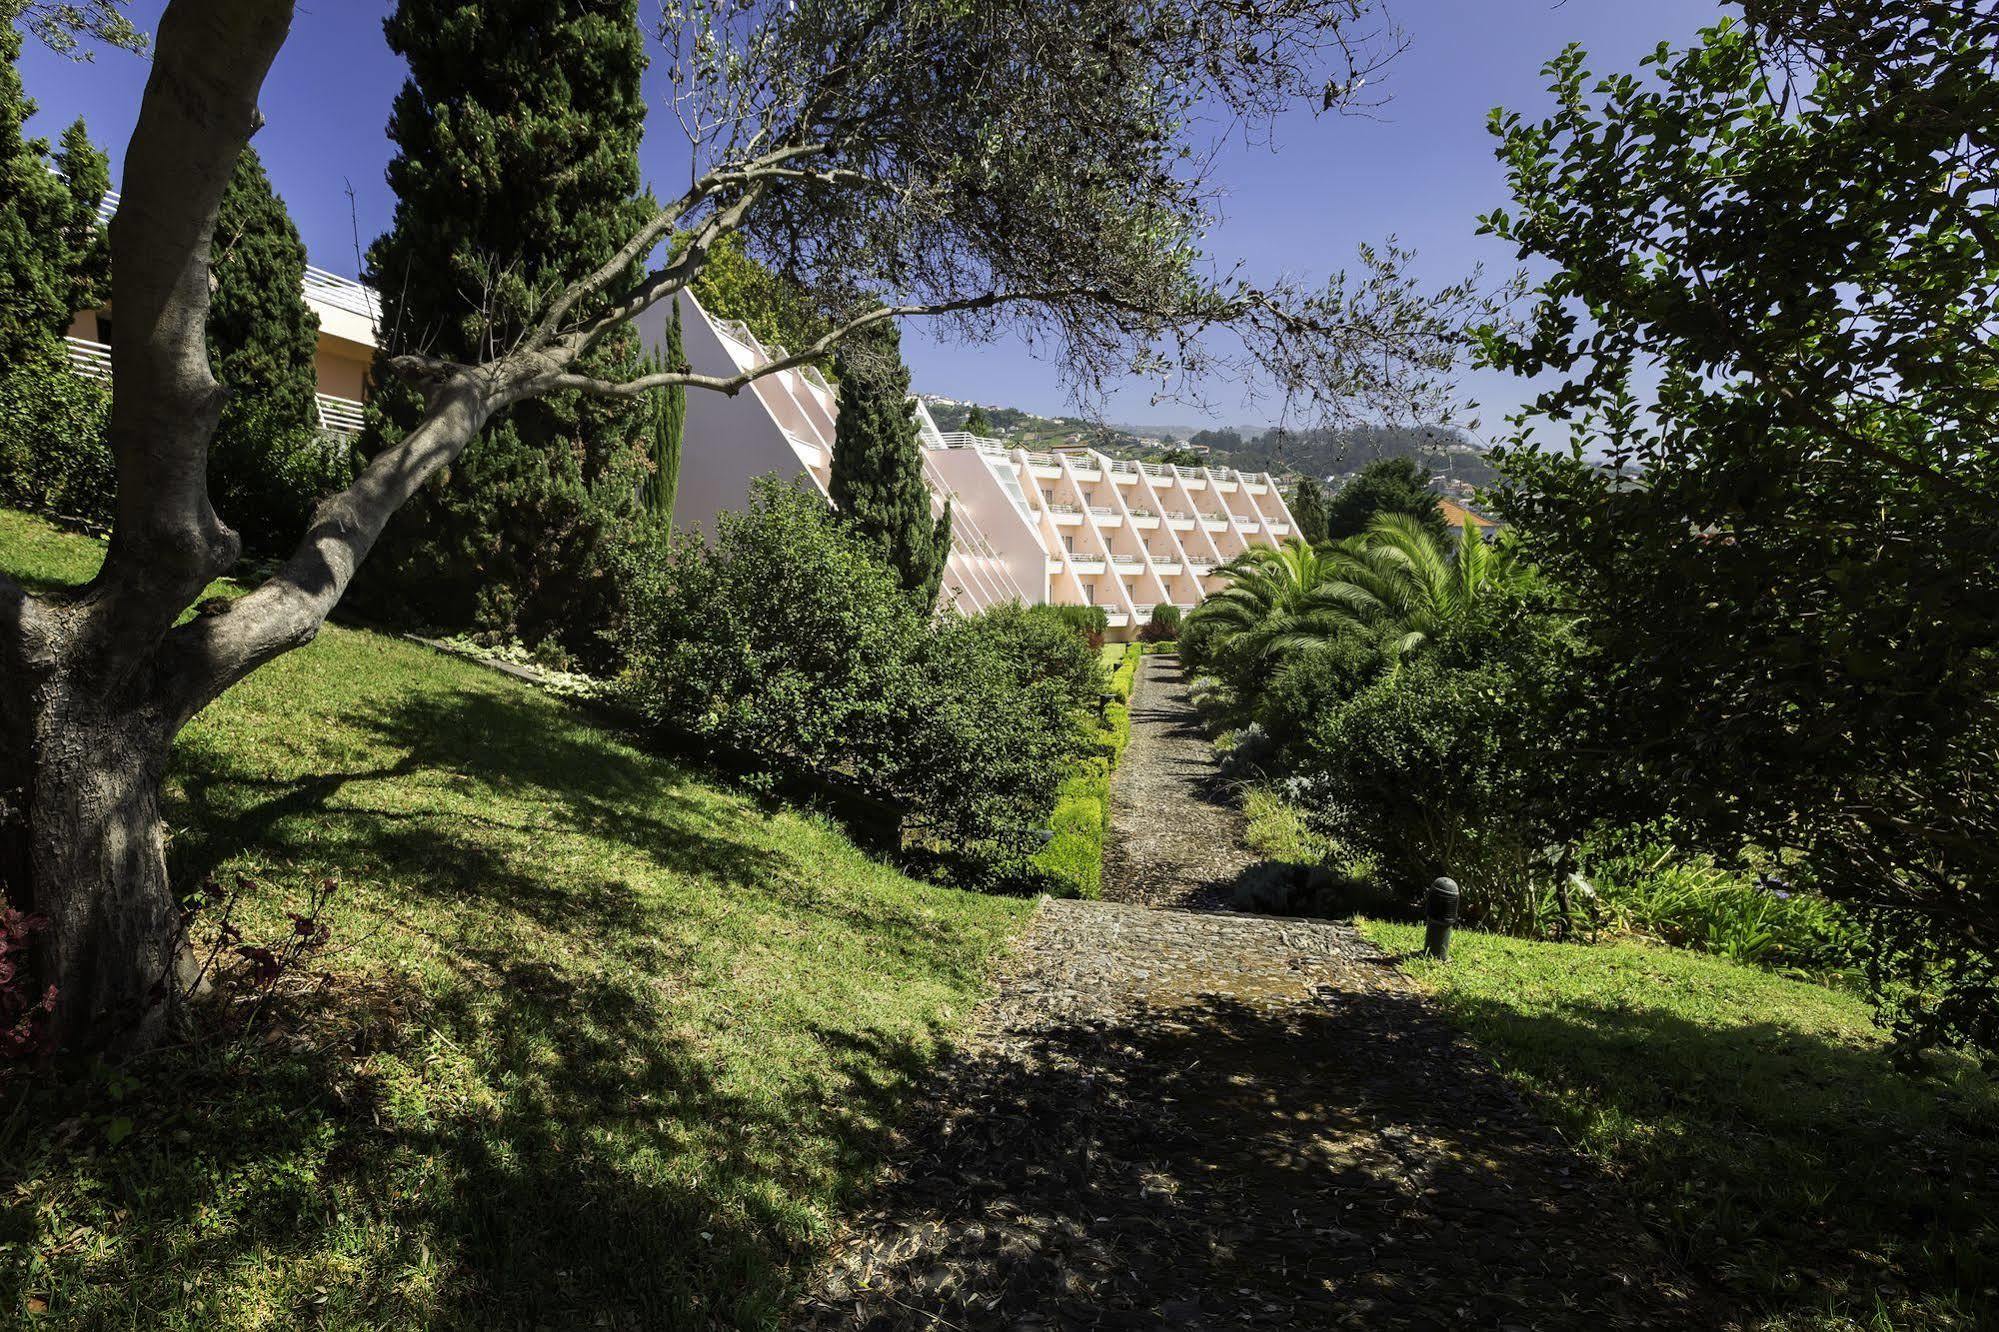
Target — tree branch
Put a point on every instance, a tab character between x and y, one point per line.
206	655
565	380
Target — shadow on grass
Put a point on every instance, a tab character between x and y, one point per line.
1230	1163
548	1138
1799	1173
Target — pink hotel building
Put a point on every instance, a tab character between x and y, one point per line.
1071	527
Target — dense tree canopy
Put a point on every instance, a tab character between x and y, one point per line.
1387	485
268	461
516	173
53	258
1791	229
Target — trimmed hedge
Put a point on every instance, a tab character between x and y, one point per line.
1081	819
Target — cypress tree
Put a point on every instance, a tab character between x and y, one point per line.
267	463
1308	506
668	424
978	423
53	257
877	481
516	173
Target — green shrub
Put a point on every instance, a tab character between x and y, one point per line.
970	723
1434	771
54	454
745	641
1090	622
267	474
1164	626
1690	902
1045	649
987	732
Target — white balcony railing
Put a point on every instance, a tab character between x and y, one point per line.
340	416
1103	510
1058	506
92	360
961	439
1124	560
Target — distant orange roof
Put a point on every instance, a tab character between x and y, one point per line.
1457	515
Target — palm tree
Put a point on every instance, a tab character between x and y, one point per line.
1397	586
1269	597
1400	584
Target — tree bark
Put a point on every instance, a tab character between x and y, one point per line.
98	872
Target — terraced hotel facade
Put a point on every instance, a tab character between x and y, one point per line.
1069	527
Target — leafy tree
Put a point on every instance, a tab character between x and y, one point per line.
776	309
978	423
1216	441
516	173
1049	195
877	481
1183	458
1308	507
1790	229
1387	485
53	257
268	462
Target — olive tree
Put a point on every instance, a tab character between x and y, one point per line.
1026	166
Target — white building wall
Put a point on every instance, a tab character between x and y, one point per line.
1073	527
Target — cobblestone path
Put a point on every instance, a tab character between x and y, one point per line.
1173	1118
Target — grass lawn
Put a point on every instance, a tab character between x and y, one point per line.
604	1045
1757	1121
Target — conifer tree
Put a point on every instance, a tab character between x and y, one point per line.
669	426
516	172
267	463
53	258
877	481
977	422
1308	507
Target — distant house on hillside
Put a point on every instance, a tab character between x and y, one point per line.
1457	516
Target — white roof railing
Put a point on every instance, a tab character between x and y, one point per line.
342	294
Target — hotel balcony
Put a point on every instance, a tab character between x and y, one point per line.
1127	564
1086	564
1123	471
1106	516
1215	522
339	417
1279	529
1225	484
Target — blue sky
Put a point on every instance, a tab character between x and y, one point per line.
1420	167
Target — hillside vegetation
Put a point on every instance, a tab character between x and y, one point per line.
597	1042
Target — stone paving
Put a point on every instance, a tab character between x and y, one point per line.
1201	1119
